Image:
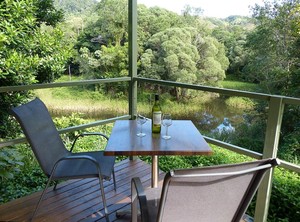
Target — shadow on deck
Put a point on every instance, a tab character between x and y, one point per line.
80	200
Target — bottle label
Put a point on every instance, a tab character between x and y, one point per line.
157	118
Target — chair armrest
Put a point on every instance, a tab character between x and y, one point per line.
87	134
138	194
92	159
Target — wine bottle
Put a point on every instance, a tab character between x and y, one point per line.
156	116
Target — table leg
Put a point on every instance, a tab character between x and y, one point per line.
154	184
154	176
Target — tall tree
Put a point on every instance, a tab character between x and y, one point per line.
274	62
30	52
232	32
75	7
183	55
273	45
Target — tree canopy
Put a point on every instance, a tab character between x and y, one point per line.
273	54
30	50
171	46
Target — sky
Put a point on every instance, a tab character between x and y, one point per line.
212	8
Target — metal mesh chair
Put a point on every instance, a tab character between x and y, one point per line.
219	193
55	160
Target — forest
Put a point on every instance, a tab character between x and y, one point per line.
43	41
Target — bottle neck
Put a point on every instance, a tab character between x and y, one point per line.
156	99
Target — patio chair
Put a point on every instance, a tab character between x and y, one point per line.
55	160
218	193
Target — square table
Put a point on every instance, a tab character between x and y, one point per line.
185	140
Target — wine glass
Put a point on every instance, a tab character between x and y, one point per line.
141	120
167	121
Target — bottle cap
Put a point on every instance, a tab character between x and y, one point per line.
156	97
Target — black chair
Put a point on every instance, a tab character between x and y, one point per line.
55	160
219	193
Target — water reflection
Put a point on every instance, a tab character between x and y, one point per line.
216	117
224	127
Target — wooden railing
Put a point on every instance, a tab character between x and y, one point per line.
275	113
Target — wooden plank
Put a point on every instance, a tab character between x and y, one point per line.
77	200
92	198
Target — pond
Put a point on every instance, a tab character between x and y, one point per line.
216	116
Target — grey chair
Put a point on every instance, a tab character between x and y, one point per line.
55	160
218	193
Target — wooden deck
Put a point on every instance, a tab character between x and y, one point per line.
80	200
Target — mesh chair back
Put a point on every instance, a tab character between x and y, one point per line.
41	133
210	198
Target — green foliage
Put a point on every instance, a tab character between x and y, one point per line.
169	48
233	33
240	103
17	65
29	52
75	6
10	160
47	13
272	44
238	85
113	20
27	179
73	120
290	146
174	57
183	55
285	198
109	62
53	52
154	20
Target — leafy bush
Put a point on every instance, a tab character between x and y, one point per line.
10	160
285	198
27	177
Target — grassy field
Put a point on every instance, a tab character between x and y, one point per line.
95	105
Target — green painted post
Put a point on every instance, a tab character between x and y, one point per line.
132	51
276	108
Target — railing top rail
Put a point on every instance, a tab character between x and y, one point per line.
62	84
68	129
230	92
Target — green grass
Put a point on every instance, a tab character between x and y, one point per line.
64	101
238	85
240	103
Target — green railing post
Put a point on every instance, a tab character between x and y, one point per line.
276	108
132	51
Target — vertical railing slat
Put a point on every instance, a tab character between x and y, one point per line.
276	108
132	51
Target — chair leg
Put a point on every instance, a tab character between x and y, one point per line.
55	185
103	198
134	204
114	179
41	197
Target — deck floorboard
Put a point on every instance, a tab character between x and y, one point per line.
80	200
